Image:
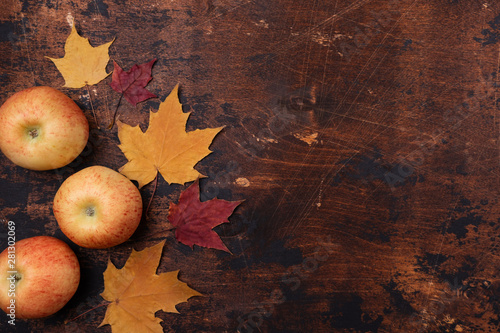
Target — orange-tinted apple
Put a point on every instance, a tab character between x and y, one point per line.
42	129
98	207
39	278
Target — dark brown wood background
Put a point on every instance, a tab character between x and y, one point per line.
362	134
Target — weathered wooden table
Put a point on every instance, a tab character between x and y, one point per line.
363	136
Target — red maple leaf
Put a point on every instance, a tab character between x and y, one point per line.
132	83
194	219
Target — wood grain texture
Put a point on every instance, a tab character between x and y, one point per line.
362	134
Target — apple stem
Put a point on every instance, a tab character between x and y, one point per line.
95	307
116	111
92	106
152	195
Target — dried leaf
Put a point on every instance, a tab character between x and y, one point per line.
82	64
165	147
132	83
194	219
136	292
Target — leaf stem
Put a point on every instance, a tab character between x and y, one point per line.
92	309
116	111
92	106
152	195
151	236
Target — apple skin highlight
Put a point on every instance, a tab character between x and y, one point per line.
98	207
42	129
49	274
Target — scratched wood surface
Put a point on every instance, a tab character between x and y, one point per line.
363	136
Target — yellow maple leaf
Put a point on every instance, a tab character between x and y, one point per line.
165	147
82	64
136	292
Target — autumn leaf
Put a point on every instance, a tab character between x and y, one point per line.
194	219
82	64
136	292
132	84
165	147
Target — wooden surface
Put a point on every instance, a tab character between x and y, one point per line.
363	136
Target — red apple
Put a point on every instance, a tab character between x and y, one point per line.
98	207
42	129
47	276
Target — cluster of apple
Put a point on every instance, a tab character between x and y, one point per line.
97	207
